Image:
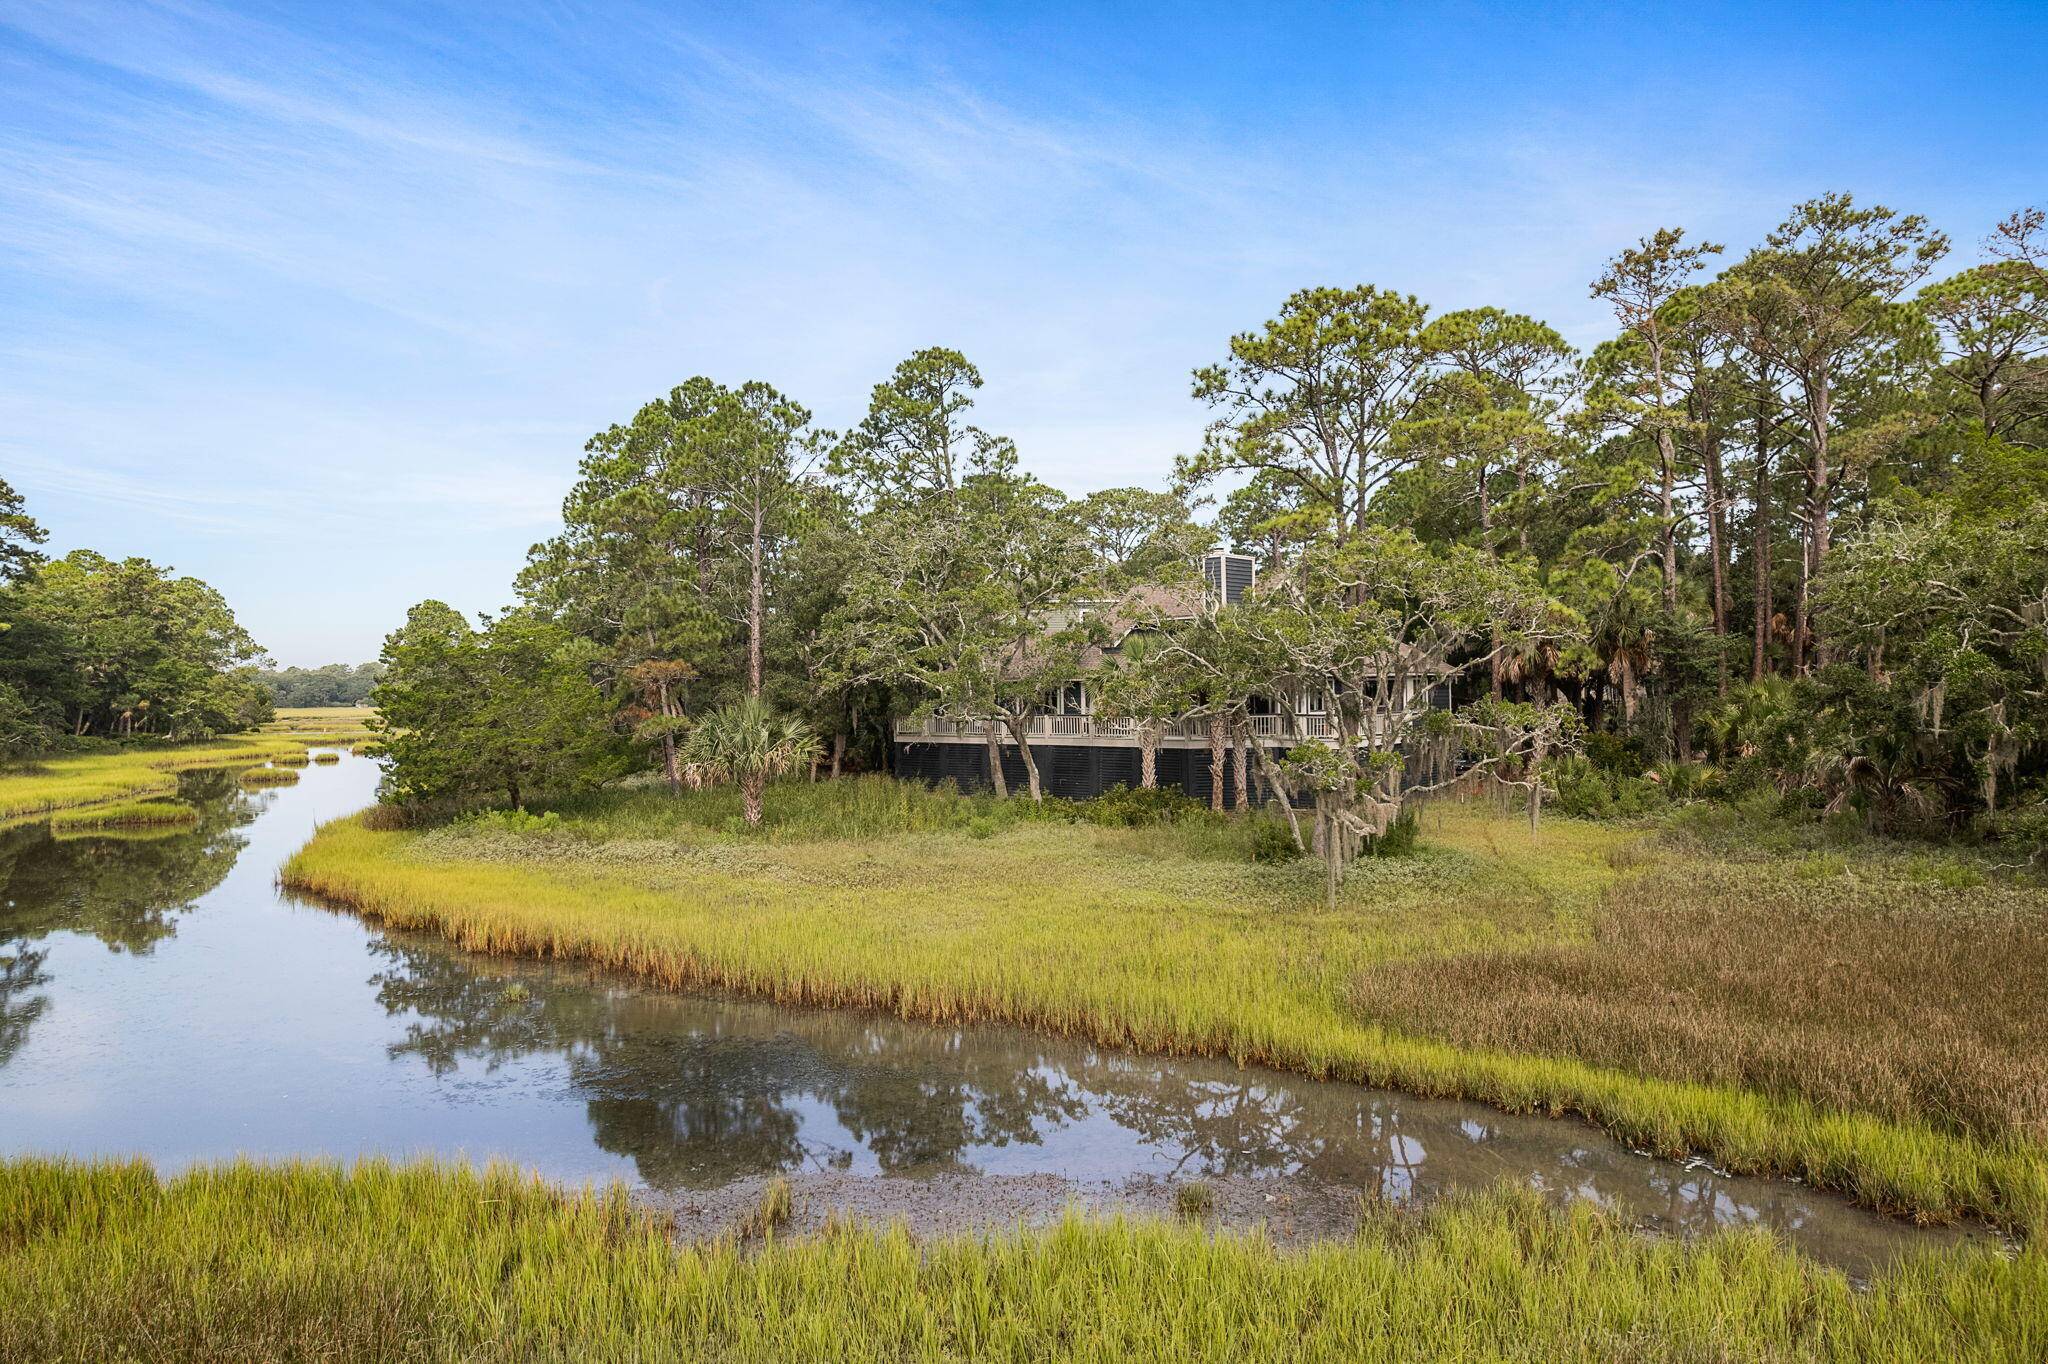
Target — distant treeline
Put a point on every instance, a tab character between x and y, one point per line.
336	684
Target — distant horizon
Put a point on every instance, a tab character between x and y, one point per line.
321	306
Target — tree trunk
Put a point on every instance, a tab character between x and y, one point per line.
1279	790
1148	757
1486	543
754	602
1760	544
1820	415
1717	553
995	760
670	765
1667	507
1240	771
751	787
1020	728
838	753
1216	761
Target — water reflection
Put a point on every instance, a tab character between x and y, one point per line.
697	1092
152	1003
125	888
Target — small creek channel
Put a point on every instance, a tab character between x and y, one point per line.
160	996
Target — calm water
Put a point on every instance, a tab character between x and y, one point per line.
160	996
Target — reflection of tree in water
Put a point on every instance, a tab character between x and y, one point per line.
122	888
699	1092
20	972
126	890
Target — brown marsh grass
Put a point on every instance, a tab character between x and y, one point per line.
1862	983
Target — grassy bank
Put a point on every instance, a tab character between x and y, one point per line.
127	814
124	774
1161	939
426	1263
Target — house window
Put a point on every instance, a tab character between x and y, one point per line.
1075	700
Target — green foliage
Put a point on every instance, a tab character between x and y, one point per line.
95	646
335	684
1136	808
508	710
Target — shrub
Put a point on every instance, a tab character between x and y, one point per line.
1399	839
1273	841
1135	807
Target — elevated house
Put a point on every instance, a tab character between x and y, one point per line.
1081	754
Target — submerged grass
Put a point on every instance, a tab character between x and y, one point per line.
1111	934
129	814
435	1263
129	773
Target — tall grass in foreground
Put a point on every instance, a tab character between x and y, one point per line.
1081	932
435	1263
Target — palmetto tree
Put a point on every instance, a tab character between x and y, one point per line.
747	743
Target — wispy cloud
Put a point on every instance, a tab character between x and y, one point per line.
365	278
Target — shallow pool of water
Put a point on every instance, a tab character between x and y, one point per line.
160	996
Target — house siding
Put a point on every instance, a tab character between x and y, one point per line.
1073	771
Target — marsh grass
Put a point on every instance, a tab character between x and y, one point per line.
418	1263
130	772
1092	932
131	814
1194	1201
1890	984
872	807
326	756
281	775
322	724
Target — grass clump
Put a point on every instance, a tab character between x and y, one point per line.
423	1262
1109	934
327	756
130	814
1194	1201
258	777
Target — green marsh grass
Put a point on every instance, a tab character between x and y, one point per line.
430	1263
326	756
1120	936
128	814
281	775
55	782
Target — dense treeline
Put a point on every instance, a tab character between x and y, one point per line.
96	648
334	684
1792	518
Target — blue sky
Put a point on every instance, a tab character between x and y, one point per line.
319	302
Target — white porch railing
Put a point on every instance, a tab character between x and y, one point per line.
1275	728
